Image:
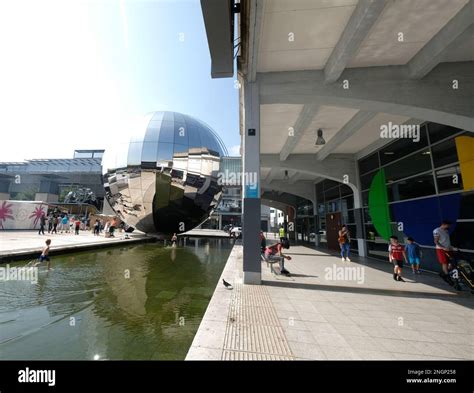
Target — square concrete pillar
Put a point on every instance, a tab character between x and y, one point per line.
251	184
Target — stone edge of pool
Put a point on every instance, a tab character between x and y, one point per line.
208	343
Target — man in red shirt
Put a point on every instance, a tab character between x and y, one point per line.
273	253
396	255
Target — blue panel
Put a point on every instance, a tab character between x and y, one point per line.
421	216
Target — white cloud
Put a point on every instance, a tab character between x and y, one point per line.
234	150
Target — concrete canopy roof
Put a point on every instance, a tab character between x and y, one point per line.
301	51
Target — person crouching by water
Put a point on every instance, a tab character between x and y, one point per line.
45	255
174	240
345	243
273	253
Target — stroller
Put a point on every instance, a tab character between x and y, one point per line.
461	270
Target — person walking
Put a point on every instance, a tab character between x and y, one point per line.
444	251
64	223
55	224
344	243
96	227
281	232
42	221
77	225
414	255
50	222
396	255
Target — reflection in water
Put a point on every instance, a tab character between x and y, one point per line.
138	302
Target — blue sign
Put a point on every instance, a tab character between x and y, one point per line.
251	191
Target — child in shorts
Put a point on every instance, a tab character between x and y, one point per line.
45	255
396	255
414	255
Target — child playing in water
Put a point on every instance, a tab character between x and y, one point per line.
45	255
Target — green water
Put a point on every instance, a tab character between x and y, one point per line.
137	302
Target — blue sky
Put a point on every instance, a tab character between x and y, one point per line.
76	73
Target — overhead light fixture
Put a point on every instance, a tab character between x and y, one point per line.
389	153
320	140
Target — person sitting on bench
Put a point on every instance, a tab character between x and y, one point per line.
273	254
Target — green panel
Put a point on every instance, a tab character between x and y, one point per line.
378	205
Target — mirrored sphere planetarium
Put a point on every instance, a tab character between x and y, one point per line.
164	179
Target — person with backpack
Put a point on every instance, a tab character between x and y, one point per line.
345	243
273	253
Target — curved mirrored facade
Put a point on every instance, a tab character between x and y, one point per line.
163	179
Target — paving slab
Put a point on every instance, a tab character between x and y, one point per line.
314	315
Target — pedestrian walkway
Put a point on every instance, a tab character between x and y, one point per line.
18	244
329	309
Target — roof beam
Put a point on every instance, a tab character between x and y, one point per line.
381	89
302	123
362	19
350	128
255	32
295	177
271	175
433	52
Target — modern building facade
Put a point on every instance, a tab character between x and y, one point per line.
353	112
54	180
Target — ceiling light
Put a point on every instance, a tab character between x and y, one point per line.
320	140
389	153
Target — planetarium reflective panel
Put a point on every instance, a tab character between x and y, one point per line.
164	177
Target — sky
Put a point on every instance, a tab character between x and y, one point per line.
75	74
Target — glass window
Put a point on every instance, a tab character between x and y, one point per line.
194	137
366	180
166	132
403	146
449	179
444	153
365	198
467	206
134	153
411	188
462	235
180	148
153	131
332	193
168	116
150	151
181	134
369	163
165	152
347	203
416	163
327	184
345	190
438	132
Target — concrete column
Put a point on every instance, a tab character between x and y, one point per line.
251	184
220	221
359	215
